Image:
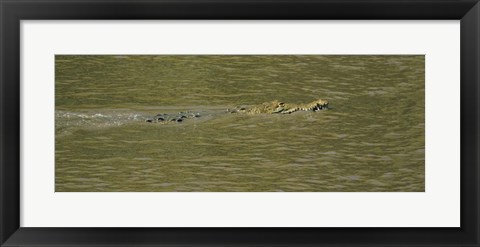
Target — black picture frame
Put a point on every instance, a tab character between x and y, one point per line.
13	11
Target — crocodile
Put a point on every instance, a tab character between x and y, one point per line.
272	107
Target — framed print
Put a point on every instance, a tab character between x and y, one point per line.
239	123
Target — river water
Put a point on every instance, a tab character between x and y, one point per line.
371	139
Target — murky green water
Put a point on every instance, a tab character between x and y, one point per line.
372	138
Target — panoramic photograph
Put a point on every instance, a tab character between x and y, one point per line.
239	123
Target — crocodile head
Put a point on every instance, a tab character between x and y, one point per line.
284	108
315	105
